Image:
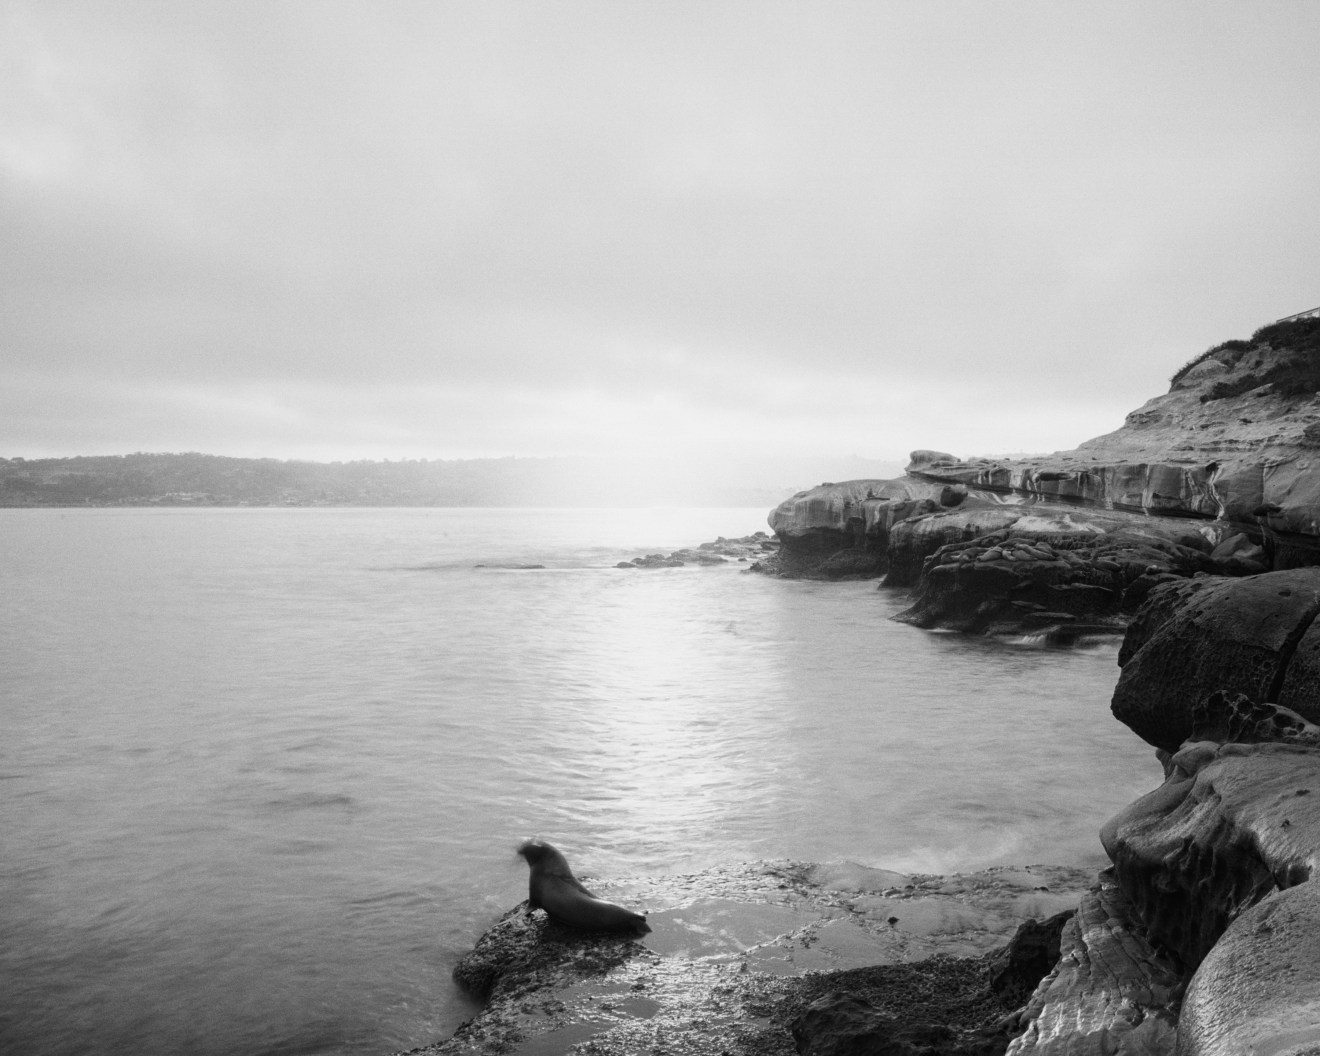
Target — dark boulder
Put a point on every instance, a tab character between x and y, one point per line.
1238	635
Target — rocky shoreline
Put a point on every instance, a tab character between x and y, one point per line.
739	958
1191	531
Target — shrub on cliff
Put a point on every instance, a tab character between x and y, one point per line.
1235	345
1294	370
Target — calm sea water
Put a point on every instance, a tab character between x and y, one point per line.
263	771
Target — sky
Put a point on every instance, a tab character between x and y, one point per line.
710	230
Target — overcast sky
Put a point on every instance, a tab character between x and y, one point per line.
450	230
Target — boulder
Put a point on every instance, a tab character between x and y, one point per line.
1258	989
1240	635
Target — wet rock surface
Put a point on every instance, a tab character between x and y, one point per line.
737	955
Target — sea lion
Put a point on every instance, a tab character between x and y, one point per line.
554	888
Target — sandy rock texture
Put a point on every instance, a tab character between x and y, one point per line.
737	956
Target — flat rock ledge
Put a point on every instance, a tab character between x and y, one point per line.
774	958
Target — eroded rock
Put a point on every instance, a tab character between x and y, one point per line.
1112	992
855	517
1031	954
1231	824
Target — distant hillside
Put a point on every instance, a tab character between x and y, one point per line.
213	480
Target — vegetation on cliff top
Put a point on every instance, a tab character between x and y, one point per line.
193	479
1288	359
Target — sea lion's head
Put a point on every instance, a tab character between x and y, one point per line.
534	850
543	858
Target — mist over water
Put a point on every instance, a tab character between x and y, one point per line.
264	770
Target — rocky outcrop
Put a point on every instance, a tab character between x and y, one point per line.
1235	439
837	530
1218	864
1201	938
1220	475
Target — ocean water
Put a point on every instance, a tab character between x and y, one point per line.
262	771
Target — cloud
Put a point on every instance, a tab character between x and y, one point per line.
276	228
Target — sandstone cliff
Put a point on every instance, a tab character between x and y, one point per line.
1235	439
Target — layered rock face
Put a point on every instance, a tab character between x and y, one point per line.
843	529
1236	438
1221	474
